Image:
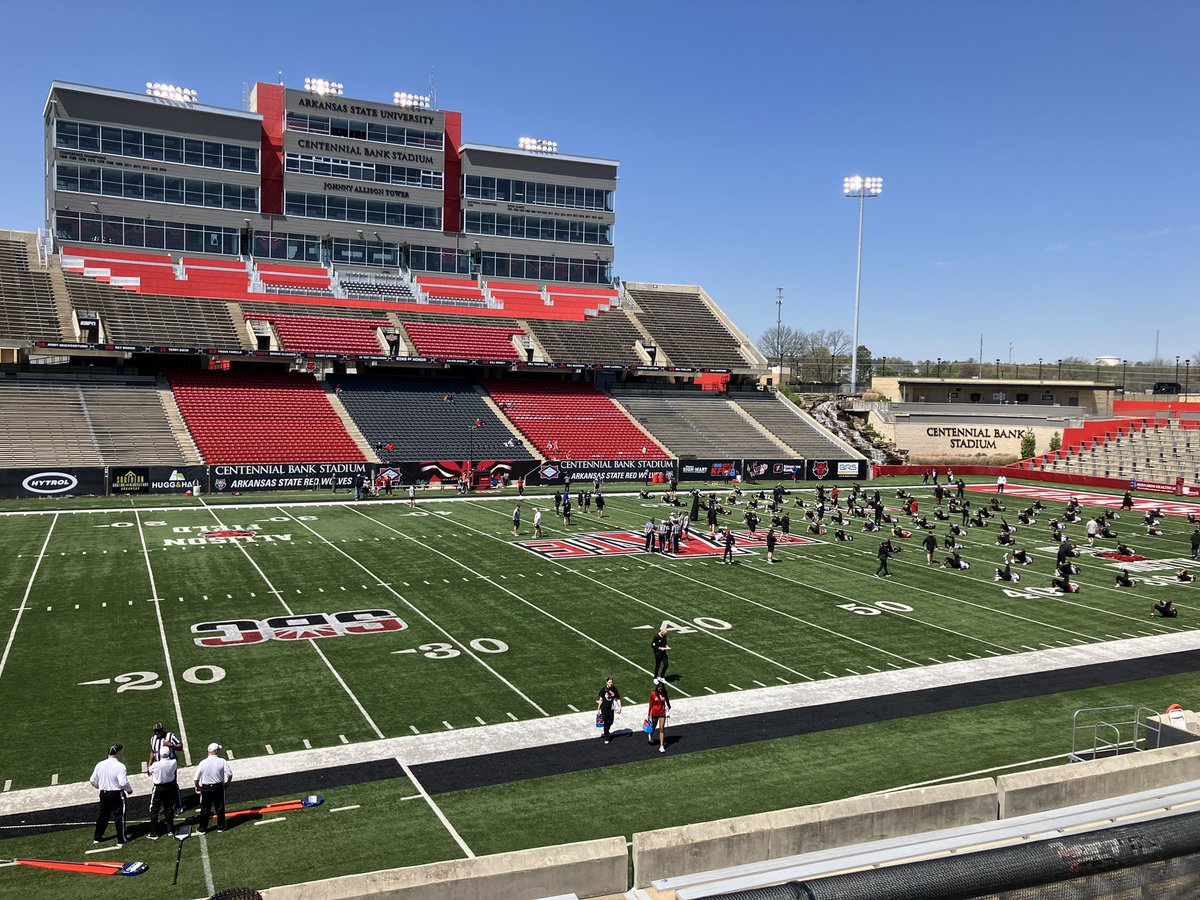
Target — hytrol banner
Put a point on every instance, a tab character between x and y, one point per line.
283	476
580	470
51	482
835	469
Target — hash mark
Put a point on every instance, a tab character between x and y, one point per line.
229	753
572	707
710	690
345	740
781	678
830	674
449	727
511	716
480	721
7	784
269	821
852	672
307	745
54	779
348	808
759	683
270	749
414	731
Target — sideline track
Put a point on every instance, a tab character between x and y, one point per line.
514	751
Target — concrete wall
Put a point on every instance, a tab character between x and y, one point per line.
1031	792
964	439
728	842
589	868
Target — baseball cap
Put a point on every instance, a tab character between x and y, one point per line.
115	749
214	747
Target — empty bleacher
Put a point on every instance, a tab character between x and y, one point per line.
308	281
689	332
696	424
27	309
249	418
1148	449
790	425
373	286
452	291
322	334
610	339
462	341
60	420
427	419
572	420
153	320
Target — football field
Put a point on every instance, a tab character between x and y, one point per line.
274	628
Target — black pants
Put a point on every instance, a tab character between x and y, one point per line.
607	716
882	566
212	797
164	798
112	805
660	662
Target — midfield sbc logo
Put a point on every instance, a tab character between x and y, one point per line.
303	627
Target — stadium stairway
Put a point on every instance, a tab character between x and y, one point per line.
508	423
762	429
347	420
183	437
539	349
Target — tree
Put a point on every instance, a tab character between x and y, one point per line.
780	342
1055	442
866	369
1028	444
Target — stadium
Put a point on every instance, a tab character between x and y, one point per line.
333	440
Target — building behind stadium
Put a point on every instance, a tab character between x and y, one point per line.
321	178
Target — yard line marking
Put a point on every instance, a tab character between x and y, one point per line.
162	636
759	683
710	690
311	641
481	722
402	799
436	809
269	821
270	749
785	681
449	727
852	672
208	876
830	674
7	784
734	686
229	753
511	716
355	806
414	729
25	600
307	744
462	647
54	779
572	707
512	594
345	740
100	850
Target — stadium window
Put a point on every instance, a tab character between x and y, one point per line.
111	182
110	140
1022	398
66	178
193	152
131	142
172	149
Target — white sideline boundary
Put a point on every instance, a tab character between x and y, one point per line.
415	750
25	599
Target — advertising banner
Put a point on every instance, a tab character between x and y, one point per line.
446	471
754	470
283	476
557	471
709	469
155	479
52	482
835	469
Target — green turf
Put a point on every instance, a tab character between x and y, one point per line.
496	633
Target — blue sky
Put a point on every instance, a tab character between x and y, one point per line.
1039	158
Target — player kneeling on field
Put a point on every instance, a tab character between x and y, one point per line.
1164	609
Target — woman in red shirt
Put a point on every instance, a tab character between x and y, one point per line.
660	708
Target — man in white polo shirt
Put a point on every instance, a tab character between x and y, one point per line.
112	780
164	797
211	777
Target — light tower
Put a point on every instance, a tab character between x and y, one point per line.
860	188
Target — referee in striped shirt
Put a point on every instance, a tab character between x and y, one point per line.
163	744
112	780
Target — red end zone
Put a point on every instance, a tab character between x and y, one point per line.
624	543
1088	498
